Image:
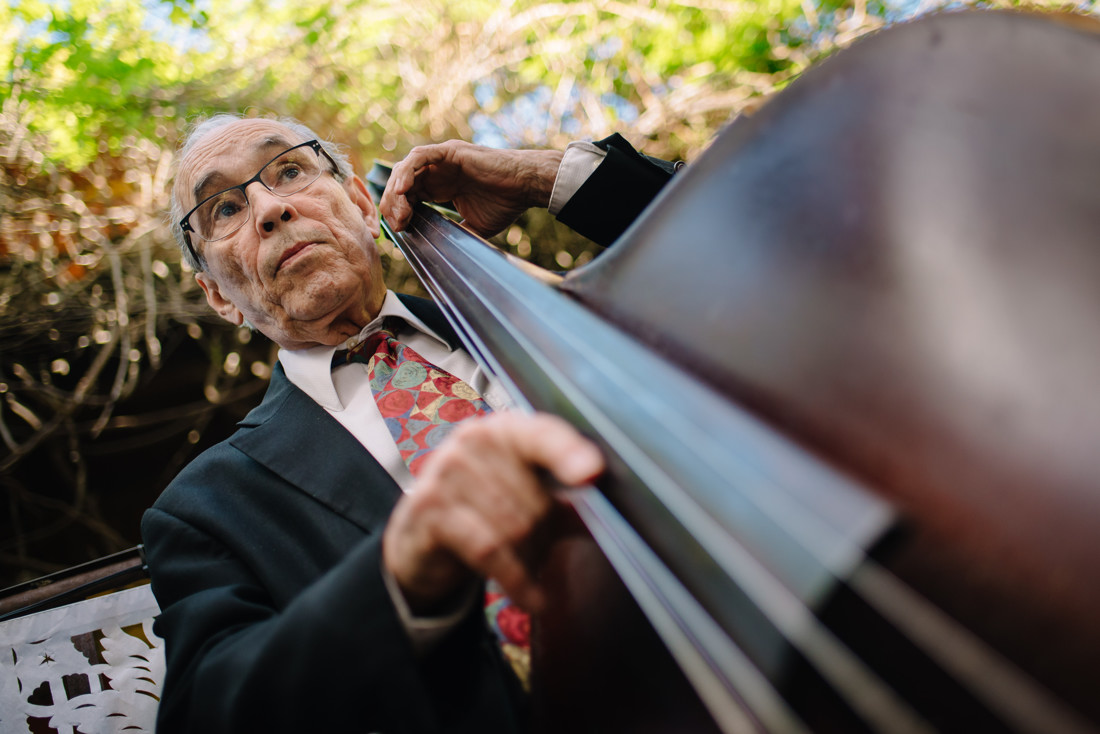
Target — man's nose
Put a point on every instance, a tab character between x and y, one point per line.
269	225
268	209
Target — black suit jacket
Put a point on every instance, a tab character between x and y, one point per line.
265	557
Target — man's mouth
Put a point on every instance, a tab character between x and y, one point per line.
290	252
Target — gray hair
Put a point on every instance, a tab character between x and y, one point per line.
203	127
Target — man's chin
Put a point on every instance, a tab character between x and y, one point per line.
321	327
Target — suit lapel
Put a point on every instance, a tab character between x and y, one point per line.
296	439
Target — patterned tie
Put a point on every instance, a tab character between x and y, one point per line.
421	404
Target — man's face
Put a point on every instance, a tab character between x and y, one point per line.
304	270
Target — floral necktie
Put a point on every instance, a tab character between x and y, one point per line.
421	404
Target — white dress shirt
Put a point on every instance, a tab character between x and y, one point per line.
577	164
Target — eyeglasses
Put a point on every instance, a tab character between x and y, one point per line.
218	216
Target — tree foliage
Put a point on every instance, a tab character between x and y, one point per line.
96	309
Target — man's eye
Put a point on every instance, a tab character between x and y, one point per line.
290	172
225	209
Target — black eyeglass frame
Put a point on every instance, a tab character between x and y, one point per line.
185	223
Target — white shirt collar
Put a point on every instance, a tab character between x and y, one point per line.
311	369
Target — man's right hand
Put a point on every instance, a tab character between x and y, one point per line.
478	503
490	188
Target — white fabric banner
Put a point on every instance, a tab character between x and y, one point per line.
94	666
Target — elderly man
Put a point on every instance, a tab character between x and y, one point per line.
314	575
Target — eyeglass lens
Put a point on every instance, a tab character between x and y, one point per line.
223	214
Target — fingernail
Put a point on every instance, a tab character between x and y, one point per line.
581	465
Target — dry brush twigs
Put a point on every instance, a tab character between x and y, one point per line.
91	292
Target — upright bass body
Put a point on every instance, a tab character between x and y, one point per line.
856	482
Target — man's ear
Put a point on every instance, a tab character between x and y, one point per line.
357	190
217	301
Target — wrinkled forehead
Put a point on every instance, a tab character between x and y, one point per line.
229	155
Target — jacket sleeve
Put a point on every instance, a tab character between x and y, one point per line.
245	653
616	192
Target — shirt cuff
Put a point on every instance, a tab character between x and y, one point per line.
426	632
577	164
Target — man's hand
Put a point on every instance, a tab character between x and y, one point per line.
488	187
477	504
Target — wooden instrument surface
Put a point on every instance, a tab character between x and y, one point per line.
897	261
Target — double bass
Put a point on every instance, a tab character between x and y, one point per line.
845	373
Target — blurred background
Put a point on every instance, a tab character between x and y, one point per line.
113	372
